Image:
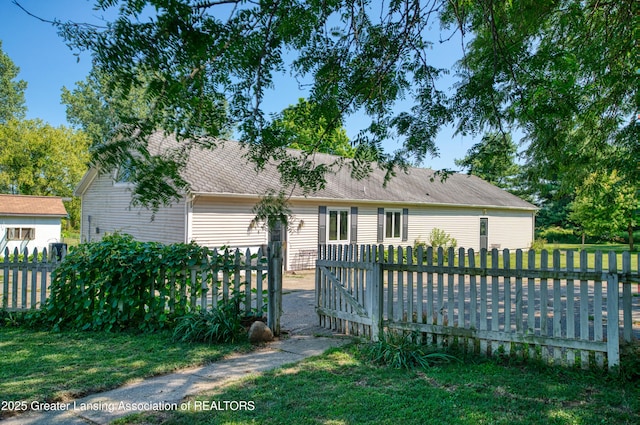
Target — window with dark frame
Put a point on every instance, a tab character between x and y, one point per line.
393	224
338	225
20	233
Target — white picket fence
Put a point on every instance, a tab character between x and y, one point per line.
25	279
494	302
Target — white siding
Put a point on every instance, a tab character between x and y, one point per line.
511	229
110	209
302	239
219	221
47	230
461	223
368	224
507	228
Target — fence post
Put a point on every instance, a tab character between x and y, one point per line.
274	284
627	303
613	314
376	288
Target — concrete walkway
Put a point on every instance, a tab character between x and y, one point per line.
303	338
163	391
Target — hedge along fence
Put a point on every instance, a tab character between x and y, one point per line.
120	283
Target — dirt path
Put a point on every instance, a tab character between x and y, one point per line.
298	305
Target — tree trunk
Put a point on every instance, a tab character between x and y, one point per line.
630	230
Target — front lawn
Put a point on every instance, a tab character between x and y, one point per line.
48	366
341	388
590	249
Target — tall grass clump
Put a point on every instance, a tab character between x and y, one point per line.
401	350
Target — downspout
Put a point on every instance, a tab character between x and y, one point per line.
533	228
188	219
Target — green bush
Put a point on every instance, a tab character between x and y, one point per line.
562	235
212	326
623	237
438	238
107	285
558	235
26	319
400	350
629	369
538	244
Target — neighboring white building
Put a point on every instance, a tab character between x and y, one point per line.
217	210
30	222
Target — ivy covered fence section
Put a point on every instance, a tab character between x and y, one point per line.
120	283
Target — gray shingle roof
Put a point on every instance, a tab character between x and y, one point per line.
225	170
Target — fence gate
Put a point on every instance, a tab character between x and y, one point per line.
564	312
349	289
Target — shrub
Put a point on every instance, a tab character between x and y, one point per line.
107	285
630	362
438	238
558	235
400	350
212	326
538	244
28	319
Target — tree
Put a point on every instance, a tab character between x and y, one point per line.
209	65
302	127
561	71
606	205
93	109
11	90
493	160
38	159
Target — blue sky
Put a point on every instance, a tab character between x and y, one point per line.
47	64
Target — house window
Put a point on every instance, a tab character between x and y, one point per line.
124	173
393	224
21	233
339	225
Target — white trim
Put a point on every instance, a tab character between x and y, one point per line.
338	223
188	218
393	239
85	182
379	202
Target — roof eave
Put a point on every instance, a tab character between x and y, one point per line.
85	182
370	201
3	214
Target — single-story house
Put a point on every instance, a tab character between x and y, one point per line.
30	222
224	187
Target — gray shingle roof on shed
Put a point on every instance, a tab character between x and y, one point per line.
225	170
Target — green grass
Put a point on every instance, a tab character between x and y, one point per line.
563	248
341	387
590	249
48	366
70	237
